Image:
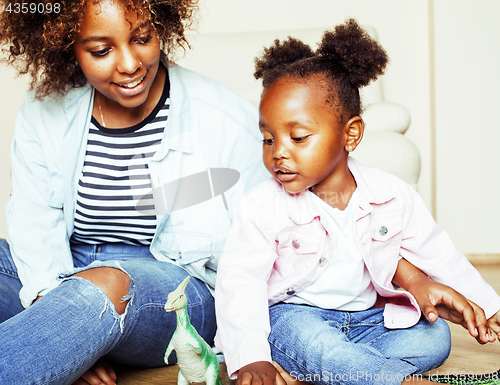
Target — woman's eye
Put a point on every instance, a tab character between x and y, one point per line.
100	53
300	139
144	39
267	141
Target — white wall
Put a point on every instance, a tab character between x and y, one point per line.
402	28
465	99
467	43
401	25
11	98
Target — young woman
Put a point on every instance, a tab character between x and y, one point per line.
102	222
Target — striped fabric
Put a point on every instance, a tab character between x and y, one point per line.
115	177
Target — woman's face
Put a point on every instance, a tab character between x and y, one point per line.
118	52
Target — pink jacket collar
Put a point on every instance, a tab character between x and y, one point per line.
301	210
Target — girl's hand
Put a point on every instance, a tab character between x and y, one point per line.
259	373
494	324
436	300
100	373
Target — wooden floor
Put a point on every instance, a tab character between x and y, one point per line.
466	354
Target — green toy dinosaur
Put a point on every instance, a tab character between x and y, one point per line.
196	359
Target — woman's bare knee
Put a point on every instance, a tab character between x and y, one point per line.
114	282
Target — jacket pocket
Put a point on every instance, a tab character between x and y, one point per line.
386	233
194	246
301	240
185	248
298	247
55	197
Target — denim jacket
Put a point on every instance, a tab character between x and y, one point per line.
279	245
208	127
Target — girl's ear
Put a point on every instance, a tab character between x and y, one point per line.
354	130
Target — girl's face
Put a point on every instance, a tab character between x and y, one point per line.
118	52
303	143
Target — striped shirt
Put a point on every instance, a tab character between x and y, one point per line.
115	178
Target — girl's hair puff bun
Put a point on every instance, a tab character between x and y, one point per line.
278	56
351	48
348	58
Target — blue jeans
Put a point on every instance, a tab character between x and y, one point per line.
334	347
64	333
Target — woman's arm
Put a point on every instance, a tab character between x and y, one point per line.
36	230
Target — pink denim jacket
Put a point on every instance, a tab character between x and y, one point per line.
278	246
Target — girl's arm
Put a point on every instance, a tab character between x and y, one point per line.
241	291
436	299
427	246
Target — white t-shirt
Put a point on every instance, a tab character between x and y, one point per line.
345	284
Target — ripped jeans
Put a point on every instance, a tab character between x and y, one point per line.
64	333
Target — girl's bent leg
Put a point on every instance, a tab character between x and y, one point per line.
10	304
330	347
425	345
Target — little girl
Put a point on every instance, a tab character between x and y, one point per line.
324	241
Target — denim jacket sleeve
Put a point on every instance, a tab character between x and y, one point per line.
209	127
36	229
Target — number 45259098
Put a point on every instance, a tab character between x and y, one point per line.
33	7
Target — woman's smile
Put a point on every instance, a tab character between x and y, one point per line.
132	83
132	88
119	54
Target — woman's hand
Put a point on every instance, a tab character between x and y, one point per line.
436	300
100	373
494	324
259	373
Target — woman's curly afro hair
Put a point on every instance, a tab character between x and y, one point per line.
348	58
41	44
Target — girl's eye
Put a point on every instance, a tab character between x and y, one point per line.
267	141
300	139
100	53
